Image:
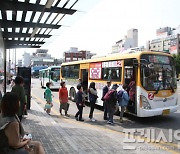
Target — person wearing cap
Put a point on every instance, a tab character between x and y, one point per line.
111	103
105	90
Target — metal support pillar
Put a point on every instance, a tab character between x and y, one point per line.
4	89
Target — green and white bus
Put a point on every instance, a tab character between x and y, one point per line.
50	74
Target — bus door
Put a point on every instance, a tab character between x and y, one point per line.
84	76
130	74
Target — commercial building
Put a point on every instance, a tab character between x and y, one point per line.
41	57
74	55
26	59
19	64
129	41
168	40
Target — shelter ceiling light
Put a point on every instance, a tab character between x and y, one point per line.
49	3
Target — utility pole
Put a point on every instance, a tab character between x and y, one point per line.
15	61
9	62
4	71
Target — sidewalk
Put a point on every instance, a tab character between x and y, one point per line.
61	135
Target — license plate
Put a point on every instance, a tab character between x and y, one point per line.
166	112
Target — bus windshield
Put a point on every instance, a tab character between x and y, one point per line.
55	74
158	72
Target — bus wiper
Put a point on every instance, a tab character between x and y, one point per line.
171	86
157	90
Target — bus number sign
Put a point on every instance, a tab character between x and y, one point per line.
111	64
151	96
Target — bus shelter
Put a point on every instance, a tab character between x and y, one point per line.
29	24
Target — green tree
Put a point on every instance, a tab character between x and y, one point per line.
177	63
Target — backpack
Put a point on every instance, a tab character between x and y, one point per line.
108	95
120	95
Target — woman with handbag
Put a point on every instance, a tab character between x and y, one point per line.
92	98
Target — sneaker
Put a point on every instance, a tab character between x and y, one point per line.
121	120
76	118
92	119
109	122
81	119
67	115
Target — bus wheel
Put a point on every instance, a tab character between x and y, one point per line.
73	94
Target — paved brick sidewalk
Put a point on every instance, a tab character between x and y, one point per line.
60	135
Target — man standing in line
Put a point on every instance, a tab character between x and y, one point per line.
105	90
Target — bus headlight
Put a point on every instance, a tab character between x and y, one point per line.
144	103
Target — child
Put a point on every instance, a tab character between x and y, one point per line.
79	103
63	98
48	94
47	108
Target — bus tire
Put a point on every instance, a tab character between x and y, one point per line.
73	94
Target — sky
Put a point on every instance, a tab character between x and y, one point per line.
99	24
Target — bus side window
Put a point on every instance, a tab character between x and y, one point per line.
113	73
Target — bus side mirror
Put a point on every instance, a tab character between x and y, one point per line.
51	74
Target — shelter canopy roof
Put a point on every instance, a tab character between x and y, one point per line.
27	23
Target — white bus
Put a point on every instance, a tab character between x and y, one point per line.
50	74
154	74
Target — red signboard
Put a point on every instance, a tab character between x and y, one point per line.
95	70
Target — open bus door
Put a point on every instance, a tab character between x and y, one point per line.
130	74
84	69
84	78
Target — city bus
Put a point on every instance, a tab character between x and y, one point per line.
153	72
35	71
50	74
